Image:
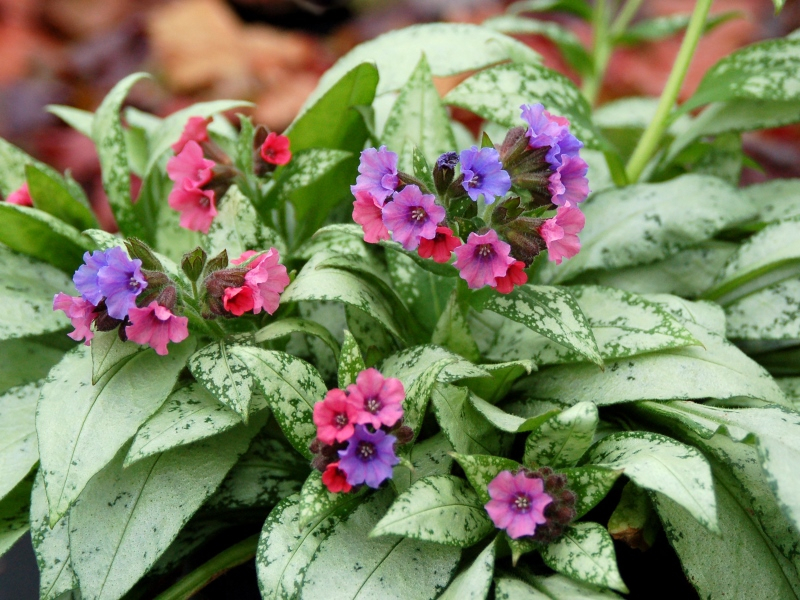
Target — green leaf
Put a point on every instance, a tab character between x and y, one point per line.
285	547
502	377
189	414
741	75
139	520
651	223
25	361
51	546
429	457
717	369
579	8
707	315
451	48
634	521
418	116
452	330
13	162
27	288
563	438
505	421
585	552
18	450
775	200
291	387
497	93
659	28
109	137
348	565
591	484
661	464
474	582
79	120
316	501
468	431
40	235
14	520
78	438
350	362
550	311
290	325
108	351
222	371
53	196
769	314
438	508
480	469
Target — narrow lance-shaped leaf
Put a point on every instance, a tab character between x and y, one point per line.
14	511
52	195
51	547
290	325
474	582
350	361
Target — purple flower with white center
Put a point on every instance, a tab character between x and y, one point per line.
568	183
517	503
483	174
483	259
412	216
378	170
120	281
369	457
546	130
85	278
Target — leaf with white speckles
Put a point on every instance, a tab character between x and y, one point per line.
291	387
468	430
497	93
475	581
429	457
772	313
142	509
775	200
508	588
350	361
108	351
51	547
18	445
348	565
585	552
82	426
506	421
708	315
290	325
480	469
502	376
591	484
563	438
661	464
14	511
315	499
553	312
223	373
25	361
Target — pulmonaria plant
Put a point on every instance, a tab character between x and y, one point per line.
494	242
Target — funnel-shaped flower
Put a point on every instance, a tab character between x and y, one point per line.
517	503
156	325
412	216
483	259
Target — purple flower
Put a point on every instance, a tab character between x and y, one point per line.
448	160
369	457
483	259
568	183
517	503
483	174
378	170
545	130
85	277
412	216
120	281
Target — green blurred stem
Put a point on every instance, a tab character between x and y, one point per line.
624	17
209	571
601	51
651	138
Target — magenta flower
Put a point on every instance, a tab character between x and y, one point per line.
568	183
368	213
197	207
267	278
244	257
412	216
188	168
560	233
20	196
441	247
120	281
378	398
378	173
275	149
369	457
335	416
515	275
80	312
483	259
85	278
483	174
156	325
546	130
196	130
238	300
517	503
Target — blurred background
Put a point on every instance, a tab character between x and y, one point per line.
272	52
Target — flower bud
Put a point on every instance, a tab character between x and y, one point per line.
444	171
193	262
138	249
220	261
404	434
523	236
561	511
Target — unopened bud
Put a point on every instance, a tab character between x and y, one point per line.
404	434
407	179
444	171
506	211
167	297
138	249
220	261
193	262
523	236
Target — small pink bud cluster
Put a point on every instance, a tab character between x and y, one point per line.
354	444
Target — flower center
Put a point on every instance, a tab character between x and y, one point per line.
133	284
418	214
372	405
365	451
475	181
485	250
203	201
522	503
340	420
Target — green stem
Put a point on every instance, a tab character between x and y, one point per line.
601	51
209	571
624	17
649	141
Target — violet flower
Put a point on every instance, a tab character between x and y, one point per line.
120	282
517	503
378	173
369	457
483	174
483	259
412	216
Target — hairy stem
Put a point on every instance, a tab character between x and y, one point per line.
650	139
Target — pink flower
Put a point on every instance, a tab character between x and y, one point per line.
412	216
267	278
197	207
80	312
483	259
21	196
155	325
517	503
440	247
246	255
196	130
516	275
379	399
275	149
368	213
335	479
568	184
335	416
188	168
238	300
560	233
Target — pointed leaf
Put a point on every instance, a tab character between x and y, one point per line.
591	484
480	469
223	373
475	581
14	515
51	546
284	327
108	351
562	439
468	431
350	362
18	445
506	421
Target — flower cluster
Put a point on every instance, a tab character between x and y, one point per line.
534	504
540	163
202	172
355	444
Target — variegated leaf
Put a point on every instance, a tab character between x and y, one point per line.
290	325
51	546
474	582
772	313
481	469
350	361
468	431
316	501
429	457
220	369
108	351
18	445
563	438
506	421
14	515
